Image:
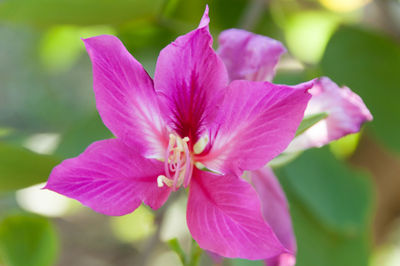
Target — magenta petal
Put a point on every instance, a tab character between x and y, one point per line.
224	216
205	20
249	56
110	178
275	211
346	114
125	97
190	79
284	259
257	122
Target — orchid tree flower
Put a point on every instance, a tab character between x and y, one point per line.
189	127
346	112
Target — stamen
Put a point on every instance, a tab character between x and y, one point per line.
178	164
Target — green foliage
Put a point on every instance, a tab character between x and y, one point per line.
20	167
81	134
369	63
331	207
77	12
27	240
242	262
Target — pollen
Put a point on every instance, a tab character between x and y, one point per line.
178	163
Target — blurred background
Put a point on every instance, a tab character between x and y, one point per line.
344	198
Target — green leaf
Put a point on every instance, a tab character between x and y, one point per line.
20	167
331	209
317	245
339	197
77	12
27	240
309	121
369	63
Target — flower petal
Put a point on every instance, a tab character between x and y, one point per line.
284	259
249	56
275	211
346	114
205	20
257	121
190	79
224	216
125	97
110	178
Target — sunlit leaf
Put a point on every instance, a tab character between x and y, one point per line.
307	34
21	168
61	45
345	147
27	240
135	226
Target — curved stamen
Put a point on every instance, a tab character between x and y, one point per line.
178	163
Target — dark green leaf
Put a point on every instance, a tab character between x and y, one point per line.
20	167
77	12
369	63
331	208
339	197
317	245
27	240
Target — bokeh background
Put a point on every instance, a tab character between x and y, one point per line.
344	198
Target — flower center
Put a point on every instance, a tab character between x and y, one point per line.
178	163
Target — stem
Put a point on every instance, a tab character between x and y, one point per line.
195	254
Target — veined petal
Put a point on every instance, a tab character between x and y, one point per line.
190	79
257	121
249	56
111	178
224	216
125	96
346	114
275	211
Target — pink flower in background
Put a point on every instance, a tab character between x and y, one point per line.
249	56
346	111
168	129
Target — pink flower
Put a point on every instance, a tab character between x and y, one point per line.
168	129
346	110
346	113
